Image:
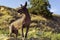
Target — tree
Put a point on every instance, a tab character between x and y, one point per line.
41	7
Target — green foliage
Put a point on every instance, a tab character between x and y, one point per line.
40	7
36	33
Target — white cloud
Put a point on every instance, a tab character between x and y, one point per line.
53	10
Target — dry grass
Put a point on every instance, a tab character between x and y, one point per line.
35	17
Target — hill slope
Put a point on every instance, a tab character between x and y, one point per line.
40	27
6	15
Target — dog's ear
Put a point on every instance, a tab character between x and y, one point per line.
25	3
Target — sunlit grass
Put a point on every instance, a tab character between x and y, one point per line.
35	17
36	33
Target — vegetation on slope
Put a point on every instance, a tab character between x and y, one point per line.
40	28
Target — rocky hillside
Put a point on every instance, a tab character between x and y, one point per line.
40	26
47	24
7	14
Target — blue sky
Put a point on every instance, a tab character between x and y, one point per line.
55	7
12	3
